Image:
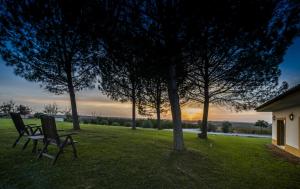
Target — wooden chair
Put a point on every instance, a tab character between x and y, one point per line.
51	137
28	131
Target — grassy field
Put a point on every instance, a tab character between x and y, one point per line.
118	157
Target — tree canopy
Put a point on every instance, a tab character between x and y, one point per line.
47	42
235	61
262	124
51	109
8	107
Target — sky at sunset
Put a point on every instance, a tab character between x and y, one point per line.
93	102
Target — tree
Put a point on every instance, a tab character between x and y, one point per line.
51	109
68	115
164	27
23	109
262	124
226	127
153	98
38	115
158	25
234	57
48	42
121	83
7	107
122	71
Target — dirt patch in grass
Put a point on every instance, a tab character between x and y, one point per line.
277	152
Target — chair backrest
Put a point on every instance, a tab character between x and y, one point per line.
18	122
49	128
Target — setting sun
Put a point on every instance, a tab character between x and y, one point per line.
191	114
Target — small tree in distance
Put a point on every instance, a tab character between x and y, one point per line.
262	124
38	115
8	107
51	109
68	115
121	82
11	106
226	127
153	99
23	109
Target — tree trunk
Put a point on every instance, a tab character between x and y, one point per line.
133	124
158	117
203	133
75	119
158	103
175	109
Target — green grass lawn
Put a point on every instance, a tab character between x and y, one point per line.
118	157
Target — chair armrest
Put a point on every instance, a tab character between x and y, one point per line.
31	126
34	129
36	137
38	129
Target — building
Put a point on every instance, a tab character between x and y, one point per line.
285	110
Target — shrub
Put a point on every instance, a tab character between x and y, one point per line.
103	122
109	122
93	121
226	127
85	121
68	117
127	124
264	131
154	123
38	115
147	124
211	127
190	126
115	124
166	124
139	122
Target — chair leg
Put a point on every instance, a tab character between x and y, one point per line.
26	143
34	146
16	142
61	148
57	155
44	143
74	149
43	150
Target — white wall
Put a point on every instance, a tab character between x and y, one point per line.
292	127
